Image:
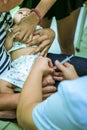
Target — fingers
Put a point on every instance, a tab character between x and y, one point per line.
48	90
43	48
29	40
45	51
23	36
16	29
38	31
48	80
45	64
58	76
38	39
59	65
15	35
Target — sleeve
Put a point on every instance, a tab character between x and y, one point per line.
63	110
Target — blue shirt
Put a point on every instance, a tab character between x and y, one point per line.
64	110
5	23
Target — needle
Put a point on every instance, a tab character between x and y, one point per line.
65	60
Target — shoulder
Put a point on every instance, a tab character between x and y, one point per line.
75	94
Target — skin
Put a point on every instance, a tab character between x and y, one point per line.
6	5
9	101
66	71
31	21
31	88
63	27
20	14
40	37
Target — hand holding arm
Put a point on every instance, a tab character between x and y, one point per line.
43	39
27	25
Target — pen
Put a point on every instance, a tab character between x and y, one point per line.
65	60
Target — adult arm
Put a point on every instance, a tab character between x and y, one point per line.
27	25
42	38
33	92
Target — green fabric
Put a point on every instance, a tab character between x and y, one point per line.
5	125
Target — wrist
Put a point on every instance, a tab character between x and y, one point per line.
37	14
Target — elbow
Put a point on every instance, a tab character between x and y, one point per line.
19	118
24	117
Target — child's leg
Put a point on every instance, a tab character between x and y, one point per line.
6	87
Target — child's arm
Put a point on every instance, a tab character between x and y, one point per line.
9	41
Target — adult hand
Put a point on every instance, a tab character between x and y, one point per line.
43	39
43	65
48	86
48	91
67	71
26	27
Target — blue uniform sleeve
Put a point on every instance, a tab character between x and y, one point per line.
66	109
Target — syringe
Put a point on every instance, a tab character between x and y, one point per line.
65	60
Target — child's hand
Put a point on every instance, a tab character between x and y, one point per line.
67	71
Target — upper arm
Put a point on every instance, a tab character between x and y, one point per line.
24	117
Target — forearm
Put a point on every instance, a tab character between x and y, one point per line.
30	96
44	6
8	101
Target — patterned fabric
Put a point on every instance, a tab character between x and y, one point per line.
5	24
64	110
19	70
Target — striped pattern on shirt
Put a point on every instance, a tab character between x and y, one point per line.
5	23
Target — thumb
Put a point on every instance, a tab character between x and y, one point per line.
59	65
